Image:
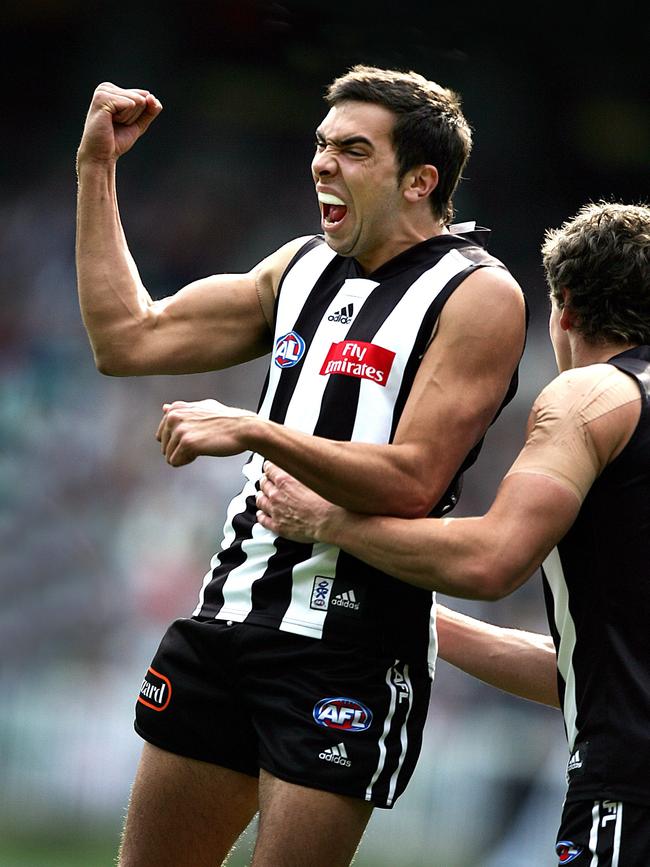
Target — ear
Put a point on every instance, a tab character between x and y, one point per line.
567	316
418	183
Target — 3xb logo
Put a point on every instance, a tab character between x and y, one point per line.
320	592
156	690
347	714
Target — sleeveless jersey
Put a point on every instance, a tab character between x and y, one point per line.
346	351
597	590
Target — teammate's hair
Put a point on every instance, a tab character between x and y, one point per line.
430	128
602	257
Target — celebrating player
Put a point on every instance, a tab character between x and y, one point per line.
300	685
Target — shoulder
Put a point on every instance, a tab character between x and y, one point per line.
487	309
273	266
490	290
589	390
599	401
267	274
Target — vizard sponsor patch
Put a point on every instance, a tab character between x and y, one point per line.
156	690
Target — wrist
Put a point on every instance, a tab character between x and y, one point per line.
87	164
334	524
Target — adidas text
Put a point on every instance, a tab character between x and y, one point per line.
346	600
336	755
344	315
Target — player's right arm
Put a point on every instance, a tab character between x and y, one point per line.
210	324
513	660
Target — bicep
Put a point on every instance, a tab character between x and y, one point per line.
464	376
212	323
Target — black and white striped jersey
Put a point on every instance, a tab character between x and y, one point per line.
346	351
597	589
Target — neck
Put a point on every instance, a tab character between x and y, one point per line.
583	353
374	258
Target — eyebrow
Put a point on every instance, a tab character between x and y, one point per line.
345	142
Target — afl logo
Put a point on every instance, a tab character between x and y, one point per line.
567	851
289	349
343	713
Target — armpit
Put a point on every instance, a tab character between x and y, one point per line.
561	443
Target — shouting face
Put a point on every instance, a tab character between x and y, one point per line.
363	209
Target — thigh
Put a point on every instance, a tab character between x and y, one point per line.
304	827
609	833
184	812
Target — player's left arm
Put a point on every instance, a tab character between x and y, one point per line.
460	385
514	660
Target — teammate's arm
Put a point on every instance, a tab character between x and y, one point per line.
518	662
472	558
569	443
212	323
459	387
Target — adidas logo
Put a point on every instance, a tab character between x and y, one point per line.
346	600
336	755
345	315
575	761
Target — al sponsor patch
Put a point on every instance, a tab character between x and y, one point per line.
359	359
346	714
289	349
156	690
567	851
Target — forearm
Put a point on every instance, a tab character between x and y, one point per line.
518	662
362	477
113	301
455	557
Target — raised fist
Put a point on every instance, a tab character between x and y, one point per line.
116	119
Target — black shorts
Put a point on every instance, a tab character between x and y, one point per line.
323	715
617	832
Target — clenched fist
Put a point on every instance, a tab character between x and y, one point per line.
116	119
201	427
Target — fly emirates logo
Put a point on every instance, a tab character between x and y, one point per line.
356	358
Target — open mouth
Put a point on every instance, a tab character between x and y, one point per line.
333	208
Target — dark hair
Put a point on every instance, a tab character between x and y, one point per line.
602	256
430	127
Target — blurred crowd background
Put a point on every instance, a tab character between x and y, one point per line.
102	543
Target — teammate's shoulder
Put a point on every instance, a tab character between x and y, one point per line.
582	388
584	379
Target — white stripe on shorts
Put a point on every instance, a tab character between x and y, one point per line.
403	740
596	825
593	836
618	827
384	734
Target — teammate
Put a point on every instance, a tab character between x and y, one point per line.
576	501
394	343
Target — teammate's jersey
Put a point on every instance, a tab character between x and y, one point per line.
346	351
597	589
